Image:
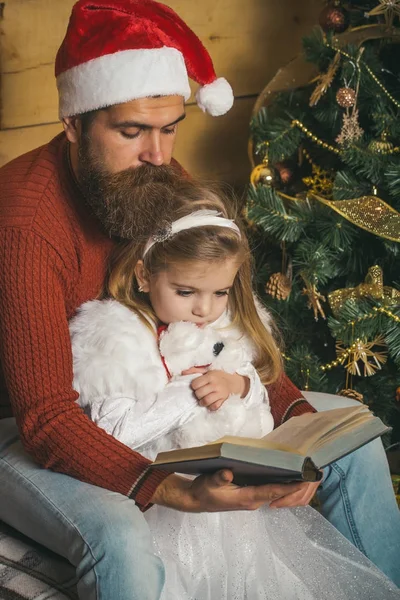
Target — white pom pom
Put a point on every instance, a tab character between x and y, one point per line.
216	98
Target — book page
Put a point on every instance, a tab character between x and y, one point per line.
253	443
301	434
341	429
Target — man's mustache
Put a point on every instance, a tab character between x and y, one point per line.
141	176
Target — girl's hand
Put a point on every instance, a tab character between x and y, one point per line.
212	388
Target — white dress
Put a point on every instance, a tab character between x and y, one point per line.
281	554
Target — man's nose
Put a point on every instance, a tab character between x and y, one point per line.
151	152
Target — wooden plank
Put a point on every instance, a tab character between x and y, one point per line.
14	142
216	148
247	45
212	148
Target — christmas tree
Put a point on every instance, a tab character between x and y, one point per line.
324	204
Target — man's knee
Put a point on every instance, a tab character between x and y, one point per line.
116	527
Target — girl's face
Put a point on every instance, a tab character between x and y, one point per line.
197	292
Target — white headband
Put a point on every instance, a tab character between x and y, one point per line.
199	218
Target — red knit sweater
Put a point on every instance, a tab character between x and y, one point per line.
53	257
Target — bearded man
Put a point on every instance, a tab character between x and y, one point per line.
122	74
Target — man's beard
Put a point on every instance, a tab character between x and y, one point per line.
131	203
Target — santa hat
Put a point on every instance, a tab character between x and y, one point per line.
120	50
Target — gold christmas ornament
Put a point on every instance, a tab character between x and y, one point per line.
320	182
351	130
381	146
324	81
349	393
367	212
314	298
346	97
264	174
361	351
391	34
372	287
388	8
300	73
279	286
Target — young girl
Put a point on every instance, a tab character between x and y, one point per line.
196	269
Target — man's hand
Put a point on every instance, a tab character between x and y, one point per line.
215	493
301	497
212	388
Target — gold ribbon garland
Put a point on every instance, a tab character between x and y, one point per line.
367	212
372	287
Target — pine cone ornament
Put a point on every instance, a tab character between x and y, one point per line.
279	286
352	394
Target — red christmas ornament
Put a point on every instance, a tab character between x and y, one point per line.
285	171
334	18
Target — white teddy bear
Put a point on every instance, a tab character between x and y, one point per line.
184	345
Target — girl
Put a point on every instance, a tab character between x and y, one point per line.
196	269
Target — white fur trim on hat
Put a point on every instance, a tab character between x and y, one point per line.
216	98
121	77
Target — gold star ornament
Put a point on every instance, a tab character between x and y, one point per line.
388	8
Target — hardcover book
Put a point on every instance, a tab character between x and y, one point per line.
295	451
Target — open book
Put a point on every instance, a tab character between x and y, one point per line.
295	451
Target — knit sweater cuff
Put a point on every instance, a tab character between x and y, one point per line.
286	400
296	408
145	486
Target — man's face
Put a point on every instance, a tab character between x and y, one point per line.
122	161
140	132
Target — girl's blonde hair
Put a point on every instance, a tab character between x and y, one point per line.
206	244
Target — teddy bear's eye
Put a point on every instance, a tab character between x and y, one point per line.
218	348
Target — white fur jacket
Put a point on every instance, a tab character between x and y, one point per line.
123	384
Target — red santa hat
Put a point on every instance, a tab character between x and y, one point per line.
120	50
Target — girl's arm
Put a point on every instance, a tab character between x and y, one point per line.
257	393
137	422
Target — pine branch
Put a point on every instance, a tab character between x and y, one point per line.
336	232
315	49
304	369
348	185
315	260
365	163
283	139
392	178
268	211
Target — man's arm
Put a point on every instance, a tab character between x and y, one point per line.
35	352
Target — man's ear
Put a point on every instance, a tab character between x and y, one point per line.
142	277
73	129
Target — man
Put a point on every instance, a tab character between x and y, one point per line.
122	79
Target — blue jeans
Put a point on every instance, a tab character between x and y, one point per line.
357	497
106	537
103	534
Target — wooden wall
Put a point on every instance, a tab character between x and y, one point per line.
248	40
